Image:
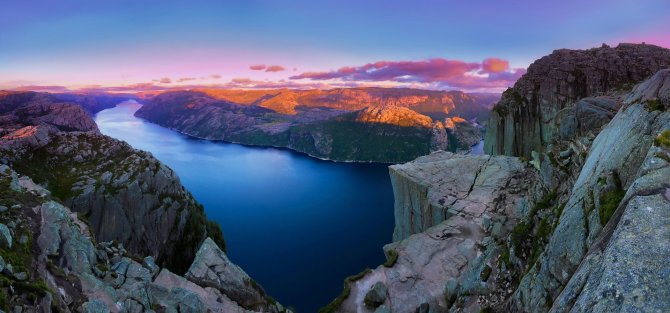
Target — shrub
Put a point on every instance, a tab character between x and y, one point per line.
337	302
655	105
609	201
391	258
663	139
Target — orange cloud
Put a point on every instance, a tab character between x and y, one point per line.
275	68
495	65
258	67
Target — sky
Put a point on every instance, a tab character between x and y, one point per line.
475	45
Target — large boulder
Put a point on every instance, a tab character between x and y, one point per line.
212	268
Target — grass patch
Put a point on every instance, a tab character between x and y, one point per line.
655	105
519	234
663	139
337	302
663	156
609	201
391	258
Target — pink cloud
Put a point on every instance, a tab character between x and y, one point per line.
495	65
258	67
215	76
165	80
55	89
275	68
491	73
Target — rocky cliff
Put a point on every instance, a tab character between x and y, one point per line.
524	119
125	194
343	131
592	236
50	261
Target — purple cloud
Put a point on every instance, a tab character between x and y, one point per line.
491	73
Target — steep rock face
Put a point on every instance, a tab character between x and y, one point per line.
434	188
57	266
523	120
614	161
458	208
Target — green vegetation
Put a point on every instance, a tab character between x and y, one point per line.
544	203
663	139
347	140
609	201
486	309
519	234
663	156
337	302
654	105
486	273
504	256
391	258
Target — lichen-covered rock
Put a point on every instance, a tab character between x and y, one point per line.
624	270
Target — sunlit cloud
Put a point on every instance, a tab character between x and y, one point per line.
275	68
258	67
492	73
495	65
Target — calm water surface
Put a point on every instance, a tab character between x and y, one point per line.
296	224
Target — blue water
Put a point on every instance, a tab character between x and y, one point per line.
296	224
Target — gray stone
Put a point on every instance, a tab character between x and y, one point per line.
5	236
21	276
382	309
211	268
150	264
95	306
23	239
376	296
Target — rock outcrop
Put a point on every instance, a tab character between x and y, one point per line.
433	188
125	194
523	120
59	267
348	125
